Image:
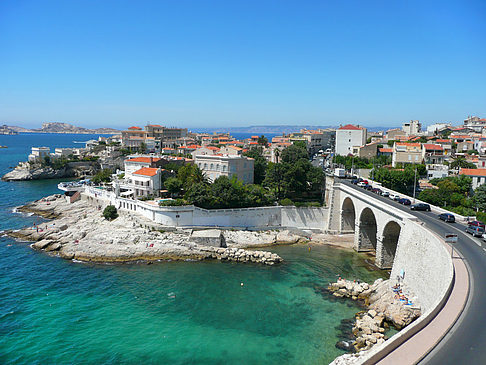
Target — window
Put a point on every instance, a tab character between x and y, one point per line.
212	167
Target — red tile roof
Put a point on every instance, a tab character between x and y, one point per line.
146	171
350	127
443	141
144	159
385	150
431	146
154	125
137	128
473	172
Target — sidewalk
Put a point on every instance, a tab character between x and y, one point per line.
418	346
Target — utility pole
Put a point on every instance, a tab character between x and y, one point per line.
414	184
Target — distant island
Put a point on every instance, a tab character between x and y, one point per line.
262	129
6	130
57	127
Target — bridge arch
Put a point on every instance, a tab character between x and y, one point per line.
367	240
390	237
348	216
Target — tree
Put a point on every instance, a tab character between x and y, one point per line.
294	152
260	164
191	174
274	177
143	147
263	141
102	176
110	213
461	162
173	185
479	198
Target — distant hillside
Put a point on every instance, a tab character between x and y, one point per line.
262	129
56	127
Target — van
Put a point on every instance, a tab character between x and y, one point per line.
475	230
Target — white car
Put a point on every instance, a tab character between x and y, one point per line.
361	184
392	196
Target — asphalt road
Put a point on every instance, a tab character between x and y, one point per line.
466	342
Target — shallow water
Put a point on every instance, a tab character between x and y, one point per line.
56	311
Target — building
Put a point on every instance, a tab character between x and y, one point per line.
349	136
145	181
231	151
63	152
412	128
394	134
433	153
316	140
478	176
215	166
39	153
164	133
475	123
367	151
437	171
407	153
136	163
133	137
435	128
385	151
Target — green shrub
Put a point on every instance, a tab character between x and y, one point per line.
173	203
286	201
110	213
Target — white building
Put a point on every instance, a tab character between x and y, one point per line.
63	152
412	128
136	163
349	136
436	127
219	165
39	153
145	181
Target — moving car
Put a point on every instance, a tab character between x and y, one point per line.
385	194
420	206
447	217
404	201
396	198
476	231
362	184
376	190
476	224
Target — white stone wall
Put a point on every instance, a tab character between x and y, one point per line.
191	216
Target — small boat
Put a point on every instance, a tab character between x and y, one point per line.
3	147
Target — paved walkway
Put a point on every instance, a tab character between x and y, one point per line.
415	348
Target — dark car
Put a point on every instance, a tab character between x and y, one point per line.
404	201
476	224
354	181
368	187
420	206
376	190
476	231
447	217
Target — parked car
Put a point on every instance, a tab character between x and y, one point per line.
385	194
420	206
477	224
476	231
447	217
368	187
396	198
362	184
376	190
404	201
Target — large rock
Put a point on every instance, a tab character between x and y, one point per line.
208	237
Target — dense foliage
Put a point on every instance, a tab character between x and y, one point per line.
260	164
350	162
103	176
110	213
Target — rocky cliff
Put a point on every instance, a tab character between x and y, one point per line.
24	171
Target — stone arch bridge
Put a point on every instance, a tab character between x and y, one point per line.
377	226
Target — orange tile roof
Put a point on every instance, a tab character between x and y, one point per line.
473	172
255	137
431	146
350	127
137	128
144	159
443	141
154	125
213	148
408	144
385	150
146	171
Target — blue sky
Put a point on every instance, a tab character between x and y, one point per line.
239	63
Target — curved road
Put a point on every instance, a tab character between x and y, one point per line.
466	341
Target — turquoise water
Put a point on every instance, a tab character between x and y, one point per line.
57	311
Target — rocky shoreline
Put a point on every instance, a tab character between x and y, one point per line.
78	231
24	171
387	305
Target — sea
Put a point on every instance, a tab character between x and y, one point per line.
54	311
